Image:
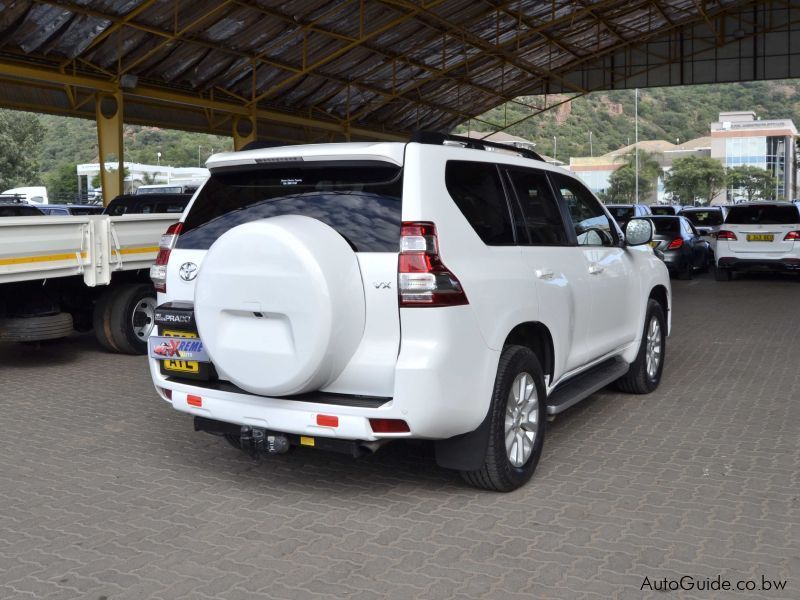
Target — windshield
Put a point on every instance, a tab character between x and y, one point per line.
360	201
662	210
763	214
666	226
621	213
704	218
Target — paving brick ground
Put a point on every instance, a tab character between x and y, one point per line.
106	493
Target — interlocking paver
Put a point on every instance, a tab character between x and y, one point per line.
105	492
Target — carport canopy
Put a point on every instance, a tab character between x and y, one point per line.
327	70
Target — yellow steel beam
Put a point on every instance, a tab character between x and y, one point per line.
108	112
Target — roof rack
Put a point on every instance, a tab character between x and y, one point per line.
17	198
438	139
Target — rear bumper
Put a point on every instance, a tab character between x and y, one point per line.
443	380
675	261
759	264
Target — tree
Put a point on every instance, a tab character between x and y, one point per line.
63	181
622	182
754	181
21	136
694	178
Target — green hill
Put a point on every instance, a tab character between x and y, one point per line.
664	113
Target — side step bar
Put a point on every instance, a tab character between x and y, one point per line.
571	392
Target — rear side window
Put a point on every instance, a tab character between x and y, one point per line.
478	192
540	211
704	218
362	201
763	214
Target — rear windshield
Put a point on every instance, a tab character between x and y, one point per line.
764	214
666	226
704	218
19	211
361	201
620	213
662	210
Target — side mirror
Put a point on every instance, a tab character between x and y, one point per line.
638	232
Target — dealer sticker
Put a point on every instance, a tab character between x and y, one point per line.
172	348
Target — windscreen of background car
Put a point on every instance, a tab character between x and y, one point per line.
666	226
362	201
662	210
763	214
621	213
704	218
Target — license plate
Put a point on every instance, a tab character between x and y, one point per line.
760	237
653	244
164	347
180	366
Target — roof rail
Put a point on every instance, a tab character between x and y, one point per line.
438	139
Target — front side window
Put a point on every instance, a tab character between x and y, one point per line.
540	212
592	225
478	192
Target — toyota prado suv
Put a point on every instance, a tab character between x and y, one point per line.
342	296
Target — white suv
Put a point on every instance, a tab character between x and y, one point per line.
759	236
342	296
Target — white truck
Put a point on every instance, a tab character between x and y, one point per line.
58	274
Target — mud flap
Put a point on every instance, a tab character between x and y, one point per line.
465	452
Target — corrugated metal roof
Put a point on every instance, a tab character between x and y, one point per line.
373	65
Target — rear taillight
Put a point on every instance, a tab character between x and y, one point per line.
675	244
423	280
724	234
158	271
792	236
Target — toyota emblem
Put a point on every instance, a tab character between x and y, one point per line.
188	271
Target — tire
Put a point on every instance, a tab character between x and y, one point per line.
123	318
498	472
36	329
101	321
638	380
723	274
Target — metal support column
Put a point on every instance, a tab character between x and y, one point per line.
108	114
244	131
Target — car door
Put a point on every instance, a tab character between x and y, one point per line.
696	242
556	264
614	289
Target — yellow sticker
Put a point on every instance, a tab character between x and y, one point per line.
306	441
180	334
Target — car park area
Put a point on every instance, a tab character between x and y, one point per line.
106	492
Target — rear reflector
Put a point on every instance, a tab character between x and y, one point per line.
389	426
423	279
724	234
194	400
158	271
327	420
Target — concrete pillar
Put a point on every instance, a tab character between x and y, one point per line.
108	114
244	131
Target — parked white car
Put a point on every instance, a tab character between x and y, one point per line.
759	236
341	296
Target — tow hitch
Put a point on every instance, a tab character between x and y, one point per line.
259	441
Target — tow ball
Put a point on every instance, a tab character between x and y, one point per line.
258	441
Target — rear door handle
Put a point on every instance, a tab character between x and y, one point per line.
595	269
544	274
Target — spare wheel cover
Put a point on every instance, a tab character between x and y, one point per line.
280	305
